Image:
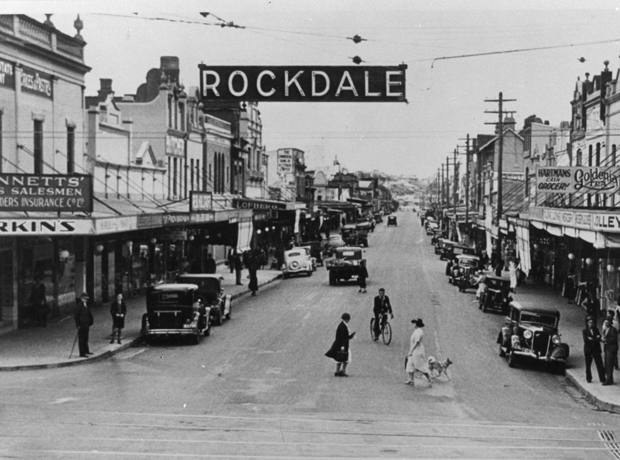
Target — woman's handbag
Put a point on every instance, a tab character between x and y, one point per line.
342	356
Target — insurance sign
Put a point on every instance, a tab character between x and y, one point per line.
46	192
303	83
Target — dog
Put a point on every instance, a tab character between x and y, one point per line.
440	366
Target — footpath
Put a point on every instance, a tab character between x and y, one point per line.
572	323
50	347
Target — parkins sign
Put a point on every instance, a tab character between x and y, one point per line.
577	179
303	83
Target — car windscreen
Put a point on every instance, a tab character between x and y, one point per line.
204	284
168	298
496	284
530	317
349	255
293	254
468	263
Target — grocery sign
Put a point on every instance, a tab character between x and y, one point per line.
46	192
303	83
575	179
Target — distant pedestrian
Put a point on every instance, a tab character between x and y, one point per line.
184	266
210	265
340	350
238	266
592	350
512	272
83	321
118	310
361	277
38	302
231	260
481	281
610	339
416	358
253	261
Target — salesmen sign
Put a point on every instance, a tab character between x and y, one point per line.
565	179
43	192
303	83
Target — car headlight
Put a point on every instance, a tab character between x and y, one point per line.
556	339
527	334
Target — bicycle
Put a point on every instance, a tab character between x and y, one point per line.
385	329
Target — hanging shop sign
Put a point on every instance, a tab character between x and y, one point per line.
29	227
46	192
172	235
285	161
38	83
7	74
573	179
303	83
115	225
149	220
257	204
200	201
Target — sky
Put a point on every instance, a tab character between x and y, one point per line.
446	97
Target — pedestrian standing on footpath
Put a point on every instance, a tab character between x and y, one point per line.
361	278
512	273
118	310
610	339
38	302
253	261
238	267
416	358
231	259
592	350
83	321
340	350
210	265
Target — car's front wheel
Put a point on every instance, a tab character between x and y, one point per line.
502	352
219	320
512	359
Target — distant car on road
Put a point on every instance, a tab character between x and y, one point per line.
392	221
297	262
346	264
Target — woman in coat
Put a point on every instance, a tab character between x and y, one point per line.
118	310
416	358
361	277
512	271
341	344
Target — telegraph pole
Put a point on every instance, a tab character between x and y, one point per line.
500	112
456	184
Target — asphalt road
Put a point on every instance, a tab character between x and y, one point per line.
261	387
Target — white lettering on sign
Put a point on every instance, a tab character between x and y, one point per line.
288	83
389	83
244	78
350	86
259	80
366	86
45	227
325	79
210	86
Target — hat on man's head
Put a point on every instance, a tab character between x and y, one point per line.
418	322
84	295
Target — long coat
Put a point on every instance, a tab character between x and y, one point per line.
115	310
341	342
83	316
591	341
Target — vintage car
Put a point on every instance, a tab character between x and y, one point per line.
531	332
296	262
308	250
453	250
436	236
431	227
392	221
315	251
211	293
349	234
175	310
444	245
464	271
496	295
378	218
345	265
363	228
334	241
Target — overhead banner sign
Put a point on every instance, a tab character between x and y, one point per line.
574	179
200	201
46	192
303	83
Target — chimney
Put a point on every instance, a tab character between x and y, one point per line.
105	88
170	65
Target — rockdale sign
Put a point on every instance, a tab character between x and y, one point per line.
303	83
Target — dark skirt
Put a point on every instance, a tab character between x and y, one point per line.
118	322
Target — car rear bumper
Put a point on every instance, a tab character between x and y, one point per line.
187	331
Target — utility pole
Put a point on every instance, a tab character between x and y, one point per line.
456	184
500	112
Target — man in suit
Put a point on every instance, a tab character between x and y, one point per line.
210	265
83	321
39	301
382	306
610	339
592	350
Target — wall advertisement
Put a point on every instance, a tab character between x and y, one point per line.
577	179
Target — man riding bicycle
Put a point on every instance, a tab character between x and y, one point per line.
382	307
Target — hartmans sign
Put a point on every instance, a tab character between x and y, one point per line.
303	83
46	192
577	179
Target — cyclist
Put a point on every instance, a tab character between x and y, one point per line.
382	307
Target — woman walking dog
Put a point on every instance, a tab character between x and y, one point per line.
416	358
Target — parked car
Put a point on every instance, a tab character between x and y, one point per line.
531	332
443	245
175	310
496	295
378	218
212	294
315	251
296	262
464	270
431	227
392	221
436	236
454	250
349	234
308	250
363	228
345	265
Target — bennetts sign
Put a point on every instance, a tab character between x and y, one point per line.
303	83
43	192
577	179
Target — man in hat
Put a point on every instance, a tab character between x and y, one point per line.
83	321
